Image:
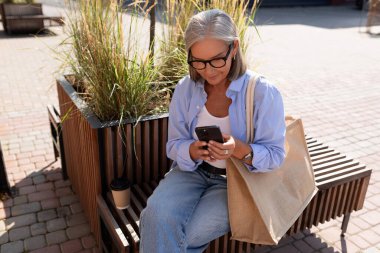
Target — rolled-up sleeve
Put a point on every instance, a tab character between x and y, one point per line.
179	137
269	122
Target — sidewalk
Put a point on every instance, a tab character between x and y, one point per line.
327	71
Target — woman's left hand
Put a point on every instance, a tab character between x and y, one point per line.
222	151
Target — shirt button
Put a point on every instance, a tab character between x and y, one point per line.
198	107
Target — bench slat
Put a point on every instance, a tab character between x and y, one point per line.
112	226
331	162
324	156
335	175
332	158
338	167
124	223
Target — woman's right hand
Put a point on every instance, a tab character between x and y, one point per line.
197	152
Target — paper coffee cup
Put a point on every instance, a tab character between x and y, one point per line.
120	192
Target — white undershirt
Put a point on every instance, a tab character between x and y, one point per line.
206	119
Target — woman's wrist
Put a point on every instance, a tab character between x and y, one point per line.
241	149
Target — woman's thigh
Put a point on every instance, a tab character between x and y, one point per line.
176	195
210	218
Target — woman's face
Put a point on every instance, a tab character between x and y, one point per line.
209	49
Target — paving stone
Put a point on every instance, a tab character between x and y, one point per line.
25	182
76	219
35	242
54	176
298	236
5	213
45	186
26	208
88	242
40	179
4	237
371	250
62	183
14	247
20	200
85	251
346	246
27	189
286	249
42	195
358	221
315	242
56	237
38	228
19	233
76	208
46	215
78	231
71	246
359	241
328	250
370	236
49	203
20	221
6	203
68	200
303	246
372	217
48	249
330	235
65	191
56	224
63	211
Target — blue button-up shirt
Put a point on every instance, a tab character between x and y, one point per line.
189	98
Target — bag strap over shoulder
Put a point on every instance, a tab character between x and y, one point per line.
249	103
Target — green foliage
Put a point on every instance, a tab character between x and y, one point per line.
114	74
115	78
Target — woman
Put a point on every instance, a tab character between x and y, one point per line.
189	207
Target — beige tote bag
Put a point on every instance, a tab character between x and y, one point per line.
263	206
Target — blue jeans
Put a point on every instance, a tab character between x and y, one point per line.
185	212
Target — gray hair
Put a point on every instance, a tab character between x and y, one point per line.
214	24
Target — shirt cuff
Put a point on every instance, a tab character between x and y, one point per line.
259	153
184	160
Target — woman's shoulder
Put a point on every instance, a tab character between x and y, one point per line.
264	86
185	85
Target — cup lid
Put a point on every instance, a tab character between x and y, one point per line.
118	184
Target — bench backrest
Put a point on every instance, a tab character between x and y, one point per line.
22	9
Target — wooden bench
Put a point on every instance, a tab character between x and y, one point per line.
4	183
342	184
26	18
56	135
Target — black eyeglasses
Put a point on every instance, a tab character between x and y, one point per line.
215	63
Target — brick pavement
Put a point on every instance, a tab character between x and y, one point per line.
327	71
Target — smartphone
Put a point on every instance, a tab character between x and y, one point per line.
208	133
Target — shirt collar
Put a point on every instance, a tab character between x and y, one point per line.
237	85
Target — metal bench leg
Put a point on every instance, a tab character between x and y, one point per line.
346	218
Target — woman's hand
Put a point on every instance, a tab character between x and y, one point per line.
197	152
222	151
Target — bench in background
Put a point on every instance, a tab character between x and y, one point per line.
25	18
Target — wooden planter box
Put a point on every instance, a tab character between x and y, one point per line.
95	151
